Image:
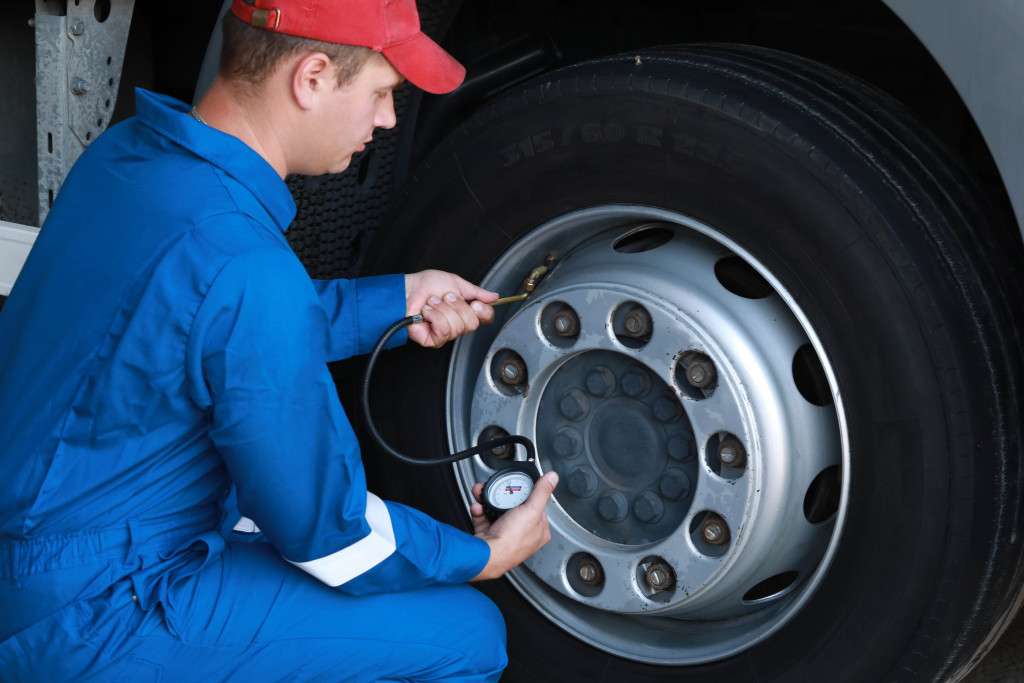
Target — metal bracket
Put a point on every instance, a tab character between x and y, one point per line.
78	70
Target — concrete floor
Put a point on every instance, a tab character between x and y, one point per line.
1005	663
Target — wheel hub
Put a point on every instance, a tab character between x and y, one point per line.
615	476
655	374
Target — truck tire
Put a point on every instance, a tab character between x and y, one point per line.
777	365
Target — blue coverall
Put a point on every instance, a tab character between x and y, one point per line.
162	343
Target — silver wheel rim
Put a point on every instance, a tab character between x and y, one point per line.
661	551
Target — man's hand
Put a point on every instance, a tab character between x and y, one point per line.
518	533
450	306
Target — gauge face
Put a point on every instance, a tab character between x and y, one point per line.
505	490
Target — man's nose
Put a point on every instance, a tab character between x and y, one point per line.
386	117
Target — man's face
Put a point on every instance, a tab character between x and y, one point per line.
351	113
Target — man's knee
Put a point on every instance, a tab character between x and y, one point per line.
484	638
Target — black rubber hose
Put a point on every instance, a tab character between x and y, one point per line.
531	452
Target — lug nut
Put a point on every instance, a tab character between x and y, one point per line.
501	452
666	408
660	576
613	506
701	371
674	484
638	322
567	442
590	572
600	381
582	482
566	323
715	530
681	446
513	371
636	383
648	507
731	452
574	405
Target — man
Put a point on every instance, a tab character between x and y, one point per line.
163	343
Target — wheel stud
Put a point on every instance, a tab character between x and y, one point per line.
613	506
513	371
636	383
731	452
715	530
501	452
638	322
574	404
674	484
590	572
648	507
600	381
666	408
701	371
567	442
681	446
582	482
566	323
660	576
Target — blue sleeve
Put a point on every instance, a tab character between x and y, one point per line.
358	312
262	335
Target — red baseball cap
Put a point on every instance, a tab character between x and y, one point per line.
391	27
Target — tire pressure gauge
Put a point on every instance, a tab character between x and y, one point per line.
508	488
505	489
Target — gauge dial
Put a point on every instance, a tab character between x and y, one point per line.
508	488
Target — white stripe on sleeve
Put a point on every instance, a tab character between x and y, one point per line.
363	555
246	526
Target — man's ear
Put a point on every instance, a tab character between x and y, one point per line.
312	76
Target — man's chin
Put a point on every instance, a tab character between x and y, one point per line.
331	170
339	167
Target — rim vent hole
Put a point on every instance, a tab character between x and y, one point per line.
809	376
772	587
643	239
740	278
821	503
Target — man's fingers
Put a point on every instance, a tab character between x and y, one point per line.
466	315
449	317
480	522
471	292
542	490
484	313
439	326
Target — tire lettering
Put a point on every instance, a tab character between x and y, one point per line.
567	135
614	132
526	147
708	153
648	135
644	134
542	142
508	155
591	132
683	144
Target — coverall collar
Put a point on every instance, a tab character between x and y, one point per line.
169	118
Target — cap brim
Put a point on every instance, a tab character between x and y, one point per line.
426	65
